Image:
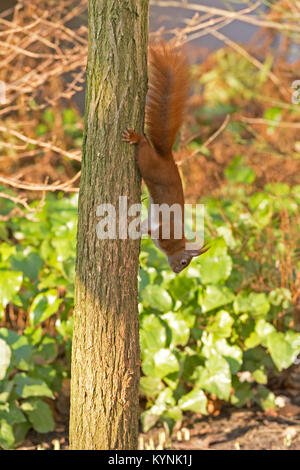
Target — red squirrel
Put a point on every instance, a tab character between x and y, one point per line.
167	95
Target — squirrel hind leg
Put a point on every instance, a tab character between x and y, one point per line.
131	137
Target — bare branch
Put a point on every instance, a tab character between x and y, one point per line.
65	187
207	142
251	19
47	145
266	122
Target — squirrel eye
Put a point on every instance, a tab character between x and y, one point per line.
183	262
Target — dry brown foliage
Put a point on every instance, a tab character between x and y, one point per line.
42	64
43	51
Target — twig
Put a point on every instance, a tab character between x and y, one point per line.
285	125
208	141
17	200
17	212
228	14
204	23
65	187
46	145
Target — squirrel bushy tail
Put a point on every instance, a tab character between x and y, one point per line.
167	95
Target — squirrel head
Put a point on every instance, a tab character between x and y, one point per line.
181	259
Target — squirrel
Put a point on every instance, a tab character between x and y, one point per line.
168	91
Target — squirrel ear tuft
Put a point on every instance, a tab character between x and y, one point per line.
193	249
193	252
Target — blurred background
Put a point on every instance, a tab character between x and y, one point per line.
220	342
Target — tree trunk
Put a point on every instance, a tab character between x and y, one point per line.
106	355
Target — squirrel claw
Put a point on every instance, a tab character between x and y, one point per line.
130	136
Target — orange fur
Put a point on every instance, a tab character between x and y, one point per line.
166	99
167	95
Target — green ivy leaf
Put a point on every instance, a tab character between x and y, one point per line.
153	335
191	361
222	325
157	298
44	305
20	348
49	374
252	341
242	393
215	265
11	413
10	283
265	398
215	297
20	431
7	438
31	387
163	363
47	350
293	339
11	418
257	305
257	358
6	387
22	353
9	336
263	329
260	375
152	256
165	402
6	251
281	350
172	416
182	287
149	418
189	314
39	414
29	263
195	401
151	386
179	328
215	377
165	398
232	353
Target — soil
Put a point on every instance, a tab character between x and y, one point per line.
233	429
246	429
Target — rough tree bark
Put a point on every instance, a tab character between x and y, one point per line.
106	356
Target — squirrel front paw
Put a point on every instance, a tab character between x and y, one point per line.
130	136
